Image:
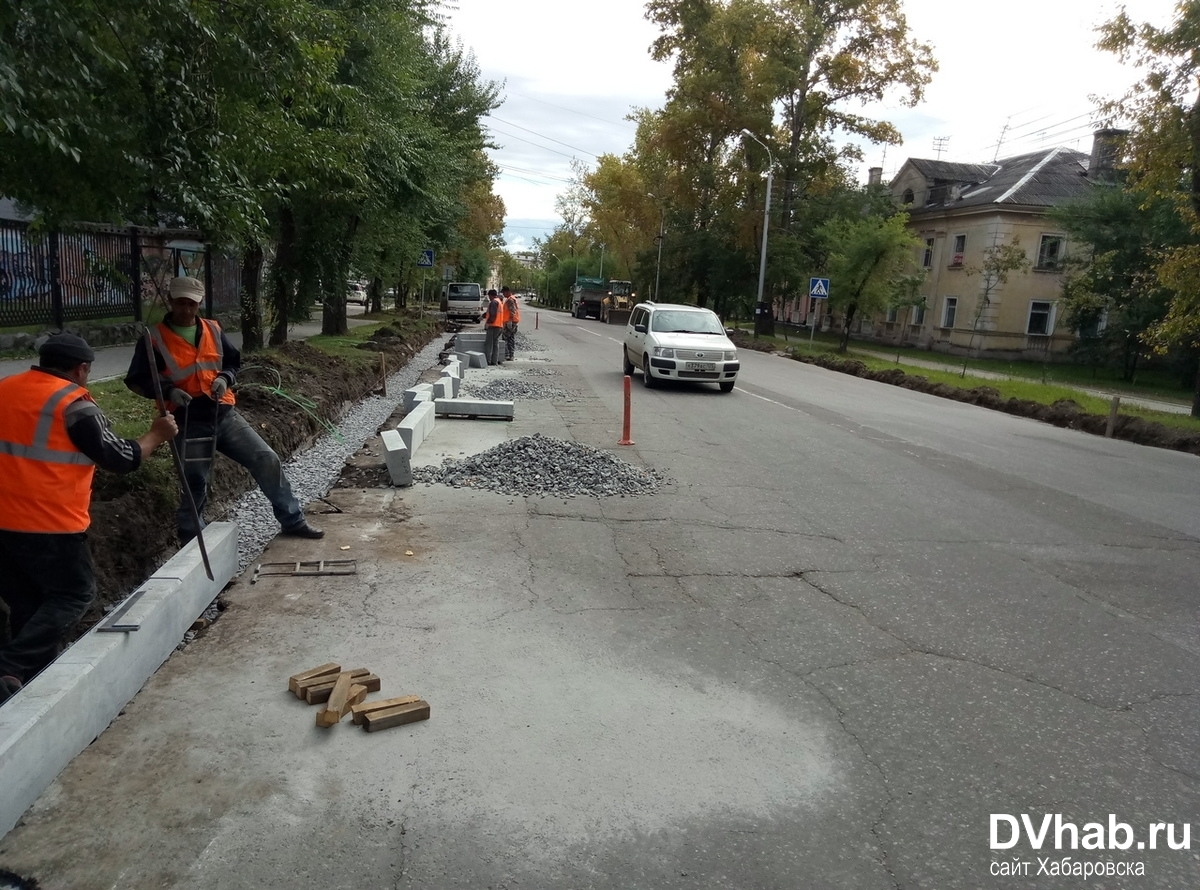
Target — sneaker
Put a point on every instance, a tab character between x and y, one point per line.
9	686
304	530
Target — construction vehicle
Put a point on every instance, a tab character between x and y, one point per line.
586	296
617	304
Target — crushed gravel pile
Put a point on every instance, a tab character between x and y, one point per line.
542	372
504	389
544	466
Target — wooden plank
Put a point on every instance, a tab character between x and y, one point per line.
295	679
318	688
318	695
337	705
397	716
358	711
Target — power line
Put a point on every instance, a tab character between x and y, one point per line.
605	120
539	135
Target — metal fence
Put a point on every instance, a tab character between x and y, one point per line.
54	278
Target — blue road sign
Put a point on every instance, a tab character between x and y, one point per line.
818	288
426	260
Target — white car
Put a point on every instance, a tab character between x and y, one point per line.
669	341
356	292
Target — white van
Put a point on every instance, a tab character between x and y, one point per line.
463	299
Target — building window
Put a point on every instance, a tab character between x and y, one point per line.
927	259
949	310
1050	252
1041	318
908	196
960	248
918	315
891	315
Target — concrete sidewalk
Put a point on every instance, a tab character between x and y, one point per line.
113	361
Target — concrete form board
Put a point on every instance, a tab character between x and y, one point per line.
65	707
397	457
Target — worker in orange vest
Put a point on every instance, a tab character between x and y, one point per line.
52	438
198	366
512	317
493	321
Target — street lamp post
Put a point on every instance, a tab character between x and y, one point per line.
762	263
662	218
601	262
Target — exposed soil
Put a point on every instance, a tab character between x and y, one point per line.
1065	413
133	519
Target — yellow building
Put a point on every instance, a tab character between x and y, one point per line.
958	211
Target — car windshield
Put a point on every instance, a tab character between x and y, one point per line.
682	321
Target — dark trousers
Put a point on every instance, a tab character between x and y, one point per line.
491	344
238	441
510	340
48	582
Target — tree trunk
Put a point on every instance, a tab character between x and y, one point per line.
1196	397
251	297
283	277
333	312
845	343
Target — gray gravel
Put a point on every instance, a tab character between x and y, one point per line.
504	389
542	465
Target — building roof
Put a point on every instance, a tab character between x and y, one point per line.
1038	179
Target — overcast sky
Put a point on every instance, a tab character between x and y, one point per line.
571	73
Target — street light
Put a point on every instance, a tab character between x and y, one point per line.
762	264
602	262
662	218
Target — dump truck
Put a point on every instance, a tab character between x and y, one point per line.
617	304
586	296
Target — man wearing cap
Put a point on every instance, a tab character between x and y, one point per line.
197	366
52	438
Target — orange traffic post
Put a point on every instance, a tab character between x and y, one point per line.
625	440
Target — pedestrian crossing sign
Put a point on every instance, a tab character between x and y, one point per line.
818	288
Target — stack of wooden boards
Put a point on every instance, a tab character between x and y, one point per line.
345	692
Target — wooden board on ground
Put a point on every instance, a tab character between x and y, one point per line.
345	695
317	690
359	711
397	716
295	680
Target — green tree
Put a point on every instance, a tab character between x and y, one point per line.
1163	152
1113	295
866	256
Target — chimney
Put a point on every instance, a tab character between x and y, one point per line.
1106	151
875	176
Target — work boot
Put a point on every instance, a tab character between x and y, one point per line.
304	530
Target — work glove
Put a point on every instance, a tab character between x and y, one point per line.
219	388
178	397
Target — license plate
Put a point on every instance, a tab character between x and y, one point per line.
699	366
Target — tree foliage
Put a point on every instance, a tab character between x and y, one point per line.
330	137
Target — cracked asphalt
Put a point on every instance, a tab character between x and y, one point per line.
856	623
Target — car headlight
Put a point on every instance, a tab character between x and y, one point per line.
731	355
664	352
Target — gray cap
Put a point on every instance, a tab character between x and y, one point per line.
67	346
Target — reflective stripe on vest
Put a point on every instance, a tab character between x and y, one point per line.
192	368
45	481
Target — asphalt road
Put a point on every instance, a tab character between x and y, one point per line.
858	623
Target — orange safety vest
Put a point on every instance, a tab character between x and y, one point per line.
513	310
498	322
45	481
192	368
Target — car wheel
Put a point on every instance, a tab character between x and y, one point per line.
726	385
648	379
626	364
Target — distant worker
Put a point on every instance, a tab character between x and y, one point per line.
493	320
512	317
52	438
198	366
